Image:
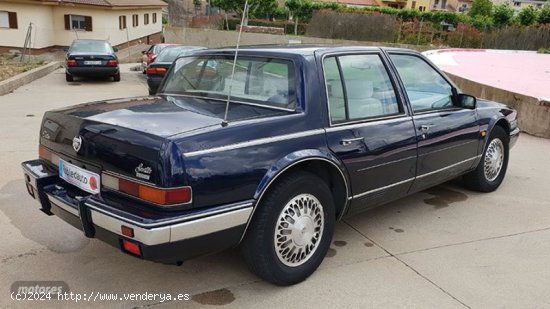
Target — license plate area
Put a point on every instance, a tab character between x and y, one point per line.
92	62
79	177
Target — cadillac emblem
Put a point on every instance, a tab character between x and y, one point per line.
77	143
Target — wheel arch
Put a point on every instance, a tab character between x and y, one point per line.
321	164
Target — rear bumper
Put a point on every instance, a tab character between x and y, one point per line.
93	71
168	240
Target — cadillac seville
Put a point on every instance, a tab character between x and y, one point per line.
265	150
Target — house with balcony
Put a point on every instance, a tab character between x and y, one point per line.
52	24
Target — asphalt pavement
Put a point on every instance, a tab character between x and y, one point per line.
443	248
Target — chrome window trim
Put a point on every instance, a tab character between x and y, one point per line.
362	123
346	203
225	100
257	142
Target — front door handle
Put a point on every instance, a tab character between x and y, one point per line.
348	141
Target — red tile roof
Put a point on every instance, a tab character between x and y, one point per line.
111	3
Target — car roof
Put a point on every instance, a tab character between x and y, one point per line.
302	49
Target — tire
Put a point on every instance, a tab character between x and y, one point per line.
69	77
267	258
116	77
488	181
152	92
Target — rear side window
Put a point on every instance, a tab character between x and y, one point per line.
358	87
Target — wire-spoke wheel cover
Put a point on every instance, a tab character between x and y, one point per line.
299	230
494	158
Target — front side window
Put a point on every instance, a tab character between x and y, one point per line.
426	88
262	81
358	87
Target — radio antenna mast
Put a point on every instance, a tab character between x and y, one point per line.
245	14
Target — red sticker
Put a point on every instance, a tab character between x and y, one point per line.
93	183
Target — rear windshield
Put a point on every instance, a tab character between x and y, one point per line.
171	53
91	46
265	81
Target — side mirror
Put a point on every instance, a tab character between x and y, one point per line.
143	52
115	49
467	101
65	49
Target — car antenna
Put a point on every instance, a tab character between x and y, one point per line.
245	14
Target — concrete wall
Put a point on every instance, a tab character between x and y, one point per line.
216	38
533	114
49	25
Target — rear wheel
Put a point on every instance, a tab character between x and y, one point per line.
116	77
69	77
291	230
491	170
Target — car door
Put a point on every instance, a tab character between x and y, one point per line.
370	129
448	134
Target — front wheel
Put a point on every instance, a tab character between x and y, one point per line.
490	171
291	230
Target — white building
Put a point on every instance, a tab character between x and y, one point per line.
56	23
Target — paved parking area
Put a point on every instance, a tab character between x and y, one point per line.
442	248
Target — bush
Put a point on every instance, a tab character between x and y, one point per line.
528	16
503	15
544	14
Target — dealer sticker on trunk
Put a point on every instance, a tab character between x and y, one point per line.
79	177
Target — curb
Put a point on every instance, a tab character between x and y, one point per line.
19	80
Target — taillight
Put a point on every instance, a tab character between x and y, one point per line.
71	63
159	196
156	71
46	154
112	63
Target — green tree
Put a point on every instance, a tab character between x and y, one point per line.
481	8
299	9
528	16
503	14
257	8
544	14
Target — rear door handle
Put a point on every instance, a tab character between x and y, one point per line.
426	127
348	141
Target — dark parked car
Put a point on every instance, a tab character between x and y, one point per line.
157	69
308	136
91	58
151	54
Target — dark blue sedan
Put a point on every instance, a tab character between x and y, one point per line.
266	150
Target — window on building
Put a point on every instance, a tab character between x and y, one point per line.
413	5
146	18
154	18
135	20
436	4
122	22
78	22
8	20
517	3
